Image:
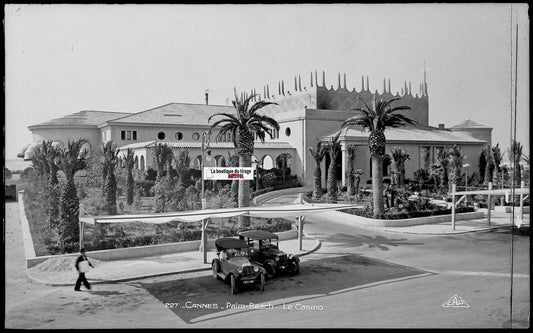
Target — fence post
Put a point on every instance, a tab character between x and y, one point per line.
453	206
489	203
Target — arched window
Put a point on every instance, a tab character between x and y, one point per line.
268	163
136	162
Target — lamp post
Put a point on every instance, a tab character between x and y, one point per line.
205	146
466	166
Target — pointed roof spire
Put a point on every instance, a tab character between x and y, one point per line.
367	85
299	83
389	86
311	79
279	88
410	88
362	82
268	92
282	87
323	78
295	84
338	81
316	78
384	86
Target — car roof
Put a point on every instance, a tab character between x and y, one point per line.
258	234
230	243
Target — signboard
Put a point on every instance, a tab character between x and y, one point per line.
228	173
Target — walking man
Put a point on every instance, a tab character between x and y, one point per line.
82	266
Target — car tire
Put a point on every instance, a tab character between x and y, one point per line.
270	269
295	268
233	284
262	282
215	270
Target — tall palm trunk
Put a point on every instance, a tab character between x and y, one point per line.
332	180
377	185
317	189
244	191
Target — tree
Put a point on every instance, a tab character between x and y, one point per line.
242	126
71	159
455	163
350	151
162	155
497	157
515	153
109	163
318	154
333	147
376	118
442	161
283	157
398	161
130	182
182	162
234	192
489	167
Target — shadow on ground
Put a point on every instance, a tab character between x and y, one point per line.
350	240
317	278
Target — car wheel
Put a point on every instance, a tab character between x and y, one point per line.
233	285
295	268
262	285
270	269
215	270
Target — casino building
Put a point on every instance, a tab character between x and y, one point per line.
306	112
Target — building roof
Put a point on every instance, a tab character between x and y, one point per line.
83	118
212	145
469	124
414	134
175	113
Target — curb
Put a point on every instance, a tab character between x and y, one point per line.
192	270
443	233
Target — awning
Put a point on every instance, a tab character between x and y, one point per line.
287	211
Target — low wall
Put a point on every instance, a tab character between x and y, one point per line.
272	194
368	222
149	250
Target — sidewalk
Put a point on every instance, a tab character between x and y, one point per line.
61	272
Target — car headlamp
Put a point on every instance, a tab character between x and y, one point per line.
239	270
256	269
291	256
277	259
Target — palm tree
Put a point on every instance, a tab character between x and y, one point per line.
243	125
376	119
455	163
182	162
109	163
350	151
333	147
318	154
130	183
71	159
398	158
515	153
234	192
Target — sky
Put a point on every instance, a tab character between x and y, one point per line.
62	59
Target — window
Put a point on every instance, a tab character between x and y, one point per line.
288	131
196	136
134	135
161	136
128	135
122	135
178	136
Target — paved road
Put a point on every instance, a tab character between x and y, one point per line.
358	278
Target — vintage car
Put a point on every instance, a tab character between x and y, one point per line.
264	250
232	265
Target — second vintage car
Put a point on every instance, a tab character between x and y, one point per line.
232	265
264	250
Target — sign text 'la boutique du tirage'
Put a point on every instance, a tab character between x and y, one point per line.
228	173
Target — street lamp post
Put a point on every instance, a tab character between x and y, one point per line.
205	146
466	166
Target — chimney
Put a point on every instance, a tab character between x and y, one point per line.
207	97
441	126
